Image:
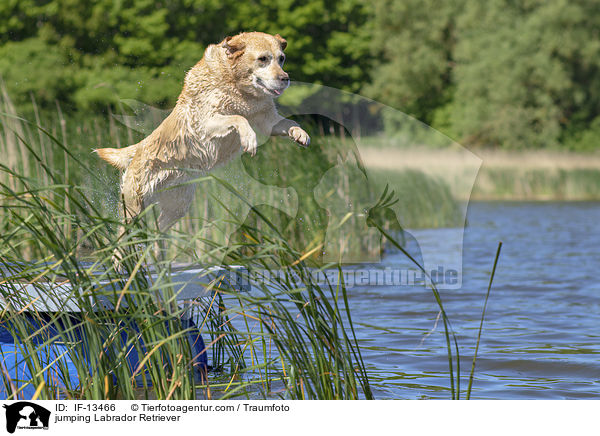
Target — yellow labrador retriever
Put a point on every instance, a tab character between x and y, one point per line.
227	97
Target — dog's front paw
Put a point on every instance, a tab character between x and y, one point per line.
299	136
249	142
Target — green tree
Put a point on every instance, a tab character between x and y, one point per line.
141	48
34	67
413	41
507	73
527	71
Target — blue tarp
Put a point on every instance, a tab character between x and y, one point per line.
57	356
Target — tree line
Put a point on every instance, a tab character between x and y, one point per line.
506	73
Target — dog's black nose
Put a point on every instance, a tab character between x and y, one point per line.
285	78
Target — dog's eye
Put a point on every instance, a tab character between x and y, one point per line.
281	59
263	59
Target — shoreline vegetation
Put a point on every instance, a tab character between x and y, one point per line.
506	75
59	219
504	175
295	340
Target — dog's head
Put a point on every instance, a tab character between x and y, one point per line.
256	60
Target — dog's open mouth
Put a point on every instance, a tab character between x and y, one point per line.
262	85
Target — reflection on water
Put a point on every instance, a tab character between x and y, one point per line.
541	337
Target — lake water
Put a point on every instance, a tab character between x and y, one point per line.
541	336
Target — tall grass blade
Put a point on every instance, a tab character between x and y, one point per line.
487	295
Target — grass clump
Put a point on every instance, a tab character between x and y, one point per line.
57	242
129	337
539	184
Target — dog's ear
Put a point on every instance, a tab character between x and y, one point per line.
234	46
282	41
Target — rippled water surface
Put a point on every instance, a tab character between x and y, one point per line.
541	337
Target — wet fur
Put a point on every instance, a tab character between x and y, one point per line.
220	109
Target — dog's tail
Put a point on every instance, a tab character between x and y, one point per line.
118	157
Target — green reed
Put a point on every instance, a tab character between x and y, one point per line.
291	337
557	184
487	296
299	325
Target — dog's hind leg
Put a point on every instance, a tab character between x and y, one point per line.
173	204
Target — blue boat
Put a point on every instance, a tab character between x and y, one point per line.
36	310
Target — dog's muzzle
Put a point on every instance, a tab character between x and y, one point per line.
273	87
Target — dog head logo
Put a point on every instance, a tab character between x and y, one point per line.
350	201
24	414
